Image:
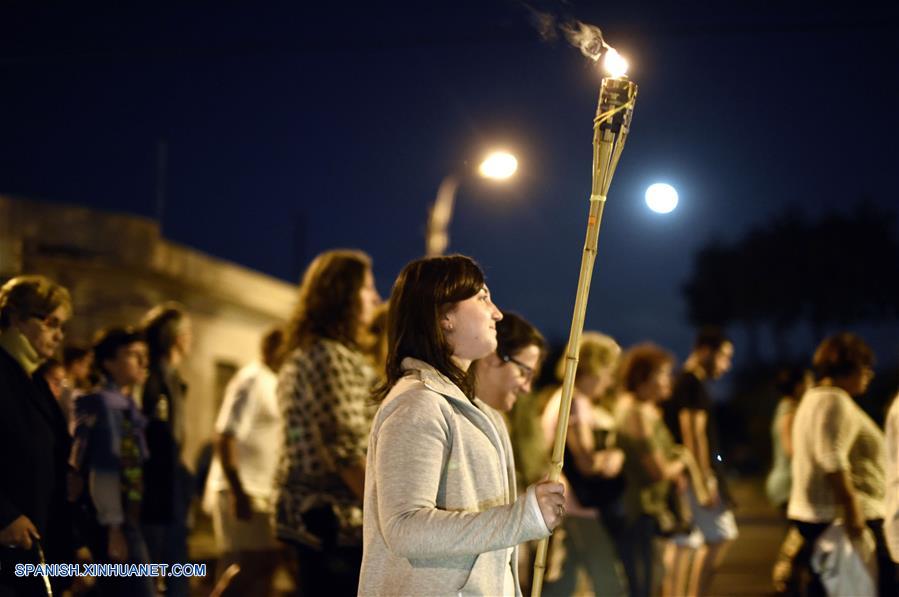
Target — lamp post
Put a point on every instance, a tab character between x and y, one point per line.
498	165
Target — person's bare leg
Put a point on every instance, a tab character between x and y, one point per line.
257	569
683	559
669	562
694	580
225	580
704	567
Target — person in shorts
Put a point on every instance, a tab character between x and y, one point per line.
690	415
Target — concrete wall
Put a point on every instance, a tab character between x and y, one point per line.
118	266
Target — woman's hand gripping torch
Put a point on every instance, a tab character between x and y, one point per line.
610	127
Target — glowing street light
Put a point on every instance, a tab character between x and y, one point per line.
498	165
661	198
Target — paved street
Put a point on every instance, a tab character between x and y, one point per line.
747	568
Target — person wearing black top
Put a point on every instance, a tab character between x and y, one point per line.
34	441
168	483
690	415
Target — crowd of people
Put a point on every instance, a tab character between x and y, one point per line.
91	445
400	447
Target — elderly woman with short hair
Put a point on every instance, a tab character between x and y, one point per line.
34	441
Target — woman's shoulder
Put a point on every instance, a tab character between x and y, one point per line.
326	349
89	402
410	391
320	352
638	419
410	398
785	406
825	396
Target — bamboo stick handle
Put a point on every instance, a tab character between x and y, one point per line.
608	143
597	203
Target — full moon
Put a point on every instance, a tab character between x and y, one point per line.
661	198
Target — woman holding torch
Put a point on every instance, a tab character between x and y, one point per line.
441	515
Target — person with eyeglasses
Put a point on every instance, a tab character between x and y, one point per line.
508	372
34	440
503	378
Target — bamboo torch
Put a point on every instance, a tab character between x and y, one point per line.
610	127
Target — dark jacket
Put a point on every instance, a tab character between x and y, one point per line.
34	451
164	474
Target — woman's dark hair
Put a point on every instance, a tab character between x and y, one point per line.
514	333
109	341
423	293
73	353
270	347
711	337
48	366
840	355
328	305
786	379
640	362
31	296
160	328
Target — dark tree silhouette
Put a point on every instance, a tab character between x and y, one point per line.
837	269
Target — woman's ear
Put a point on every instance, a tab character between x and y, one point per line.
446	322
17	322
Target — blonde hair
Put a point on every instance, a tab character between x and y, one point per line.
597	353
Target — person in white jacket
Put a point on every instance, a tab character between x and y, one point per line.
441	510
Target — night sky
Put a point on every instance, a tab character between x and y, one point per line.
290	130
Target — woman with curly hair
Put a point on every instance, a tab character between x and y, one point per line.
324	389
653	462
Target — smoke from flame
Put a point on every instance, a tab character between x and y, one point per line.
587	38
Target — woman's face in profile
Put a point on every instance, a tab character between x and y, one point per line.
184	339
470	326
369	300
658	387
859	381
45	334
594	385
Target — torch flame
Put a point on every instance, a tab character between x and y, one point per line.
614	63
589	39
585	37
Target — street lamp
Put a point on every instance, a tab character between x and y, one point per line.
498	165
